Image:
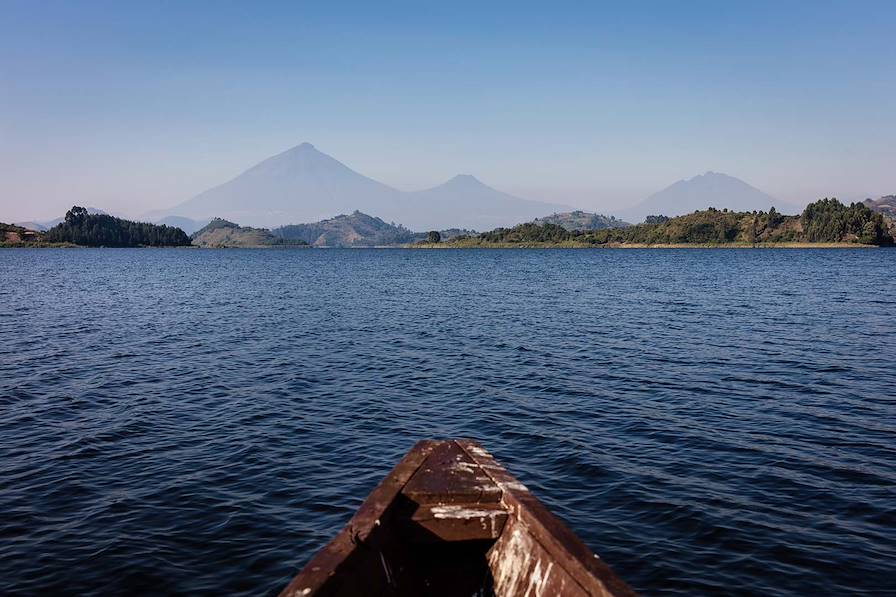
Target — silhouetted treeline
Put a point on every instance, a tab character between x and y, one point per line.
101	230
826	220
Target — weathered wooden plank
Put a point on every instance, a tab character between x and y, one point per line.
456	522
561	546
331	566
520	565
450	476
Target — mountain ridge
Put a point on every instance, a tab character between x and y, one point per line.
44	225
711	189
303	184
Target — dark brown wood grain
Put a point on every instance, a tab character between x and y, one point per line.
450	476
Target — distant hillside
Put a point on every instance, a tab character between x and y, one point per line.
303	184
35	226
885	205
13	235
712	189
354	230
188	225
581	220
825	221
219	234
44	225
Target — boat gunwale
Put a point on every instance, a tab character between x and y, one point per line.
326	562
593	575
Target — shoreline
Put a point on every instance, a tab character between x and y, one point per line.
490	246
573	245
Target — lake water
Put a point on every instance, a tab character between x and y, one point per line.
708	421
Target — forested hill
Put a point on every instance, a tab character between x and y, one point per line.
581	220
825	221
100	230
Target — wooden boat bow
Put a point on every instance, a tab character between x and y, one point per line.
449	520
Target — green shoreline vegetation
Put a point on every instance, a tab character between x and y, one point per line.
83	229
826	223
474	244
100	230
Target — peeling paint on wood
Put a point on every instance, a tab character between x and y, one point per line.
462	512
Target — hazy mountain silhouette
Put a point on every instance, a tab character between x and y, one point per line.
466	202
712	189
45	225
303	184
188	225
298	185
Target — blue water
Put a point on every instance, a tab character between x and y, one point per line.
203	421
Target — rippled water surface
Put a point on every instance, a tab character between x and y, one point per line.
203	421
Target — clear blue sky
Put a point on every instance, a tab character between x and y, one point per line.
135	105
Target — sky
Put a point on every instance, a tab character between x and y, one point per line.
134	106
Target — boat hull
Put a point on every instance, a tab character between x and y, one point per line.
449	520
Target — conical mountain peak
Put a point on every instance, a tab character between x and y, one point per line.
711	189
465	177
464	180
304	184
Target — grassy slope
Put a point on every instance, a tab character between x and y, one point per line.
221	234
